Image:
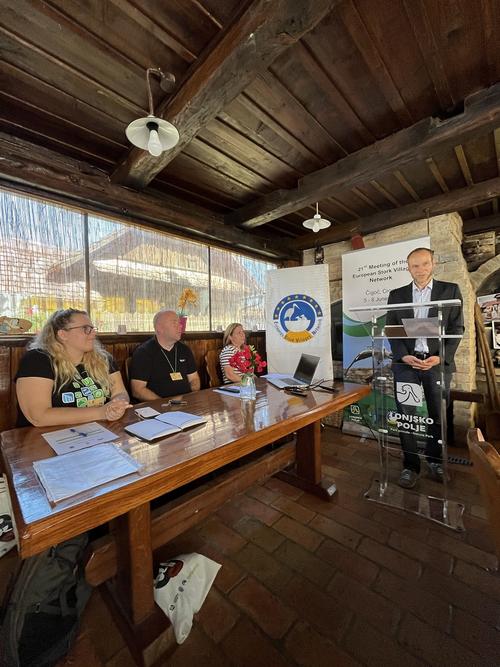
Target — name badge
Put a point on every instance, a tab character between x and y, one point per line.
175	376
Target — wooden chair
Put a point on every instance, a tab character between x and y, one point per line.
213	368
492	412
126	374
486	461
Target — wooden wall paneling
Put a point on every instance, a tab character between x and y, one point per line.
119	346
5	388
16	353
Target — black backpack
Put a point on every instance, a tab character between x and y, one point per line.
43	606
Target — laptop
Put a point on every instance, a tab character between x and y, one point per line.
303	375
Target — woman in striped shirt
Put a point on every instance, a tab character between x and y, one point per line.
233	341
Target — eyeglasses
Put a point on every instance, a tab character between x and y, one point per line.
87	329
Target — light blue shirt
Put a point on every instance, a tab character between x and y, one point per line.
422	296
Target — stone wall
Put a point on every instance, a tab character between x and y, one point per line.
446	240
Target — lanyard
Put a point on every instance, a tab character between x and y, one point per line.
174	367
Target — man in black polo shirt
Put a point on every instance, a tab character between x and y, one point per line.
162	366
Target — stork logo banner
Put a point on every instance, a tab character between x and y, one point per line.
409	393
297	318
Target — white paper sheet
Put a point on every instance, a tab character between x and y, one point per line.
232	390
78	437
421	327
66	476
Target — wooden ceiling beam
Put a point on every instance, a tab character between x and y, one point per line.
456	200
465	169
437	174
247	47
30	168
481	114
488	223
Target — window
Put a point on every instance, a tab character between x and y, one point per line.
238	289
39	244
132	271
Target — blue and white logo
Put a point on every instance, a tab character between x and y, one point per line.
297	318
68	397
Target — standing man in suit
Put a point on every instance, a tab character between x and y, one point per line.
417	360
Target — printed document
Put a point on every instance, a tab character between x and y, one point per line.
78	437
66	476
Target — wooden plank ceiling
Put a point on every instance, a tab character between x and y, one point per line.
379	109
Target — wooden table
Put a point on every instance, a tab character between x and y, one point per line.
234	429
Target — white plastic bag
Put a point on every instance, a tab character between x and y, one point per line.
7	533
180	589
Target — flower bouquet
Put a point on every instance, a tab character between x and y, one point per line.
248	362
187	296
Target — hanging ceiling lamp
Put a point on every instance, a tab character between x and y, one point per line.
151	133
316	222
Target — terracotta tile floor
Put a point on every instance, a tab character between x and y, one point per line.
310	583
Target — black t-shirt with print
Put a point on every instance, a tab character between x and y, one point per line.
81	392
154	365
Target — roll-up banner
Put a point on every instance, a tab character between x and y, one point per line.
298	319
368	276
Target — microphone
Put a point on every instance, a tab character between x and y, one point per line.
382	354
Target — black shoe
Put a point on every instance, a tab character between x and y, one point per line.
436	472
408	478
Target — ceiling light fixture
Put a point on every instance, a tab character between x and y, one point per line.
316	222
152	133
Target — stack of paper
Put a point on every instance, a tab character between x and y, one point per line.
66	476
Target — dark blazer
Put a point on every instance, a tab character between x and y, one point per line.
452	317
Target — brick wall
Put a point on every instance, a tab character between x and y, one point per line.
446	239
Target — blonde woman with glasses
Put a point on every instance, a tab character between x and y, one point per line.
66	377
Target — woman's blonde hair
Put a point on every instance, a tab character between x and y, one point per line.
229	332
96	362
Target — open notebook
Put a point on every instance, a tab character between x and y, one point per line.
164	424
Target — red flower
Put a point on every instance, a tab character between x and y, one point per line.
247	360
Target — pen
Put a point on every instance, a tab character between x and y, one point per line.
74	430
230	390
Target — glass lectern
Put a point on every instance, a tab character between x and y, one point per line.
408	417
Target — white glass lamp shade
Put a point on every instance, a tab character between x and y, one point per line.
316	223
152	134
